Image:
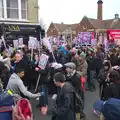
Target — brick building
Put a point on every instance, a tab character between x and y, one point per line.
98	25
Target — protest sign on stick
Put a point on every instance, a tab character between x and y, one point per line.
2	37
15	43
42	64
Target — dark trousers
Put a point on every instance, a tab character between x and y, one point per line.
91	79
43	100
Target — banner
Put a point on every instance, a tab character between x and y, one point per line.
114	36
84	38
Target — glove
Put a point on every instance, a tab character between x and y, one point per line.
54	96
40	94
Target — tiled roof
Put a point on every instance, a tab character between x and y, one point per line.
61	27
98	24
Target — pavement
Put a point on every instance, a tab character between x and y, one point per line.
90	98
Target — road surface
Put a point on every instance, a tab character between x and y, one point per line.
90	98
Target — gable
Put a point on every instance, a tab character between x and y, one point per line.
84	25
52	30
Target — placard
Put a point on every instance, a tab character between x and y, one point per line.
32	43
84	38
16	43
20	41
43	61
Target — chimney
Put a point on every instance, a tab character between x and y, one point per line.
100	10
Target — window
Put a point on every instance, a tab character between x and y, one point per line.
1	9
12	9
23	9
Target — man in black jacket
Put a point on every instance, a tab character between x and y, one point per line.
21	63
65	104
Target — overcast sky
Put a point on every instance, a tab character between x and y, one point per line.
72	11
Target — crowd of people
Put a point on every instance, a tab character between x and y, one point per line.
69	72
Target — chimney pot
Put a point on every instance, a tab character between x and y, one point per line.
116	16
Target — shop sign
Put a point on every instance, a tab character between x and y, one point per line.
13	28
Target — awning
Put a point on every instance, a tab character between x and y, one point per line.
20	28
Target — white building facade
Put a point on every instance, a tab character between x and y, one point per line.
13	10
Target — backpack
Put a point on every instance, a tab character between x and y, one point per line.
6	102
79	104
111	109
22	110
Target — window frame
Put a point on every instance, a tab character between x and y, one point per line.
5	8
2	9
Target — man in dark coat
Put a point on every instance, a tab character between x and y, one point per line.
75	79
65	103
21	63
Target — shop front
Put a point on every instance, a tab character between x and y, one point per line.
12	31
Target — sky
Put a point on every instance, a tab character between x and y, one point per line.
72	11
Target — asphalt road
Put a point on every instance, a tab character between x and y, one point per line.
90	98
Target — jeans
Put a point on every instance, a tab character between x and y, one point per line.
91	79
43	100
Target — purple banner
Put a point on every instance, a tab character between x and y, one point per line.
84	38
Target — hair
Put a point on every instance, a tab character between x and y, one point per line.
114	76
19	52
19	70
59	77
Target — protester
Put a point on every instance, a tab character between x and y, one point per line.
75	79
64	108
16	86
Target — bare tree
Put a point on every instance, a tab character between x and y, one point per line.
42	24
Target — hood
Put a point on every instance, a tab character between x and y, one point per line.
14	76
62	48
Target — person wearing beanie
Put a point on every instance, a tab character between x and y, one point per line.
102	78
74	78
91	60
82	68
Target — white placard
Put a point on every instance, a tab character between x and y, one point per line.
16	43
20	41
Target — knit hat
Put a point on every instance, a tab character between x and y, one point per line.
56	65
83	55
70	65
91	49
